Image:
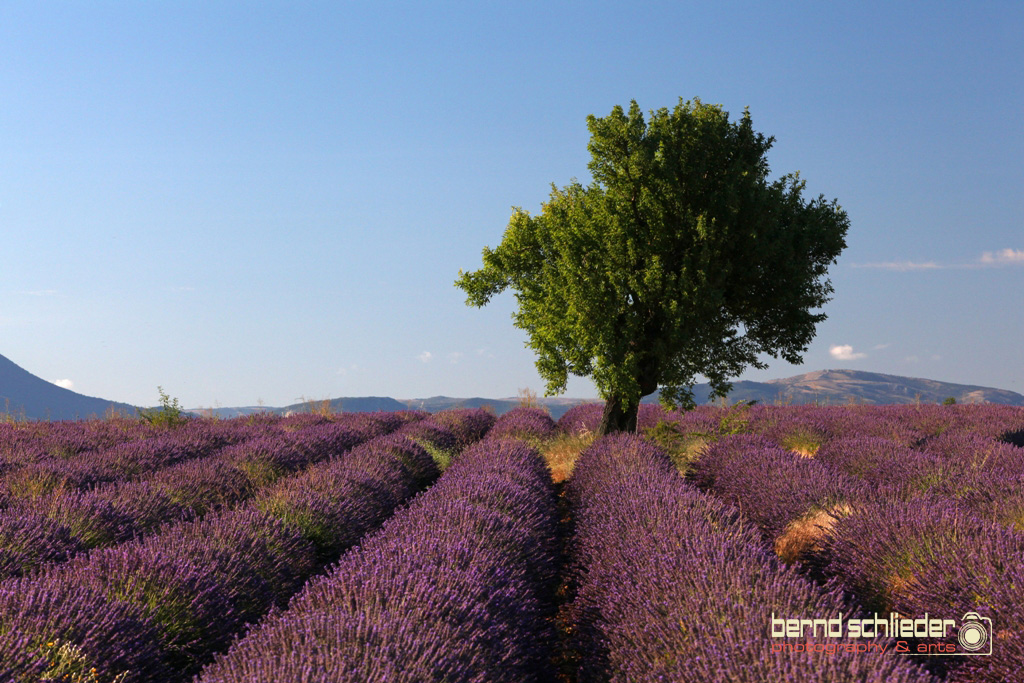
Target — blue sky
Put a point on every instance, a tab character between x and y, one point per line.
246	202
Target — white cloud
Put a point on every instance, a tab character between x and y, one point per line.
1002	258
65	383
900	266
879	347
454	357
425	356
845	352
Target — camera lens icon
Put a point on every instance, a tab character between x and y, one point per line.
974	633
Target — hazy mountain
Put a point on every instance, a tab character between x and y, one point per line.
23	395
363	404
839	387
350	404
824	387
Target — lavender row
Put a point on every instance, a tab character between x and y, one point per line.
896	536
157	608
123	461
456	587
88	454
449	432
524	422
793	500
62	525
979	473
22	443
807	427
933	556
469	425
702	592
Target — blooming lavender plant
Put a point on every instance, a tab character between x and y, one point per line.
936	557
192	587
701	590
793	499
523	422
892	469
468	424
36	616
456	587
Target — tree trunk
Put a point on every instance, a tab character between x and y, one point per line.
619	416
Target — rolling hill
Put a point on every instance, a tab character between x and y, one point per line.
823	387
839	387
23	395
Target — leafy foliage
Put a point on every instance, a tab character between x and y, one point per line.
680	259
169	414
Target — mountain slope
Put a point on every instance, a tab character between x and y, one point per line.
838	387
23	395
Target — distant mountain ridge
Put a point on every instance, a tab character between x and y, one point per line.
23	395
838	387
823	387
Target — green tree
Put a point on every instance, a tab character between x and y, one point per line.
169	414
680	259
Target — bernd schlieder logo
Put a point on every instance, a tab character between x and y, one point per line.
975	634
898	634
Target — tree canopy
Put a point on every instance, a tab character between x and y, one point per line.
680	259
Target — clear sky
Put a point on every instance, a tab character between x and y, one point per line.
270	201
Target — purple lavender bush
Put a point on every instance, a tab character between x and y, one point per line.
192	587
122	461
936	557
37	616
468	424
979	473
892	469
30	540
701	593
794	500
522	422
333	504
117	512
585	417
440	442
456	587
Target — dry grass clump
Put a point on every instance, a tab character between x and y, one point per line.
805	535
561	453
804	444
529	399
67	662
320	407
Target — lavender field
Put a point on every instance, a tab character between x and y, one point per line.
747	543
